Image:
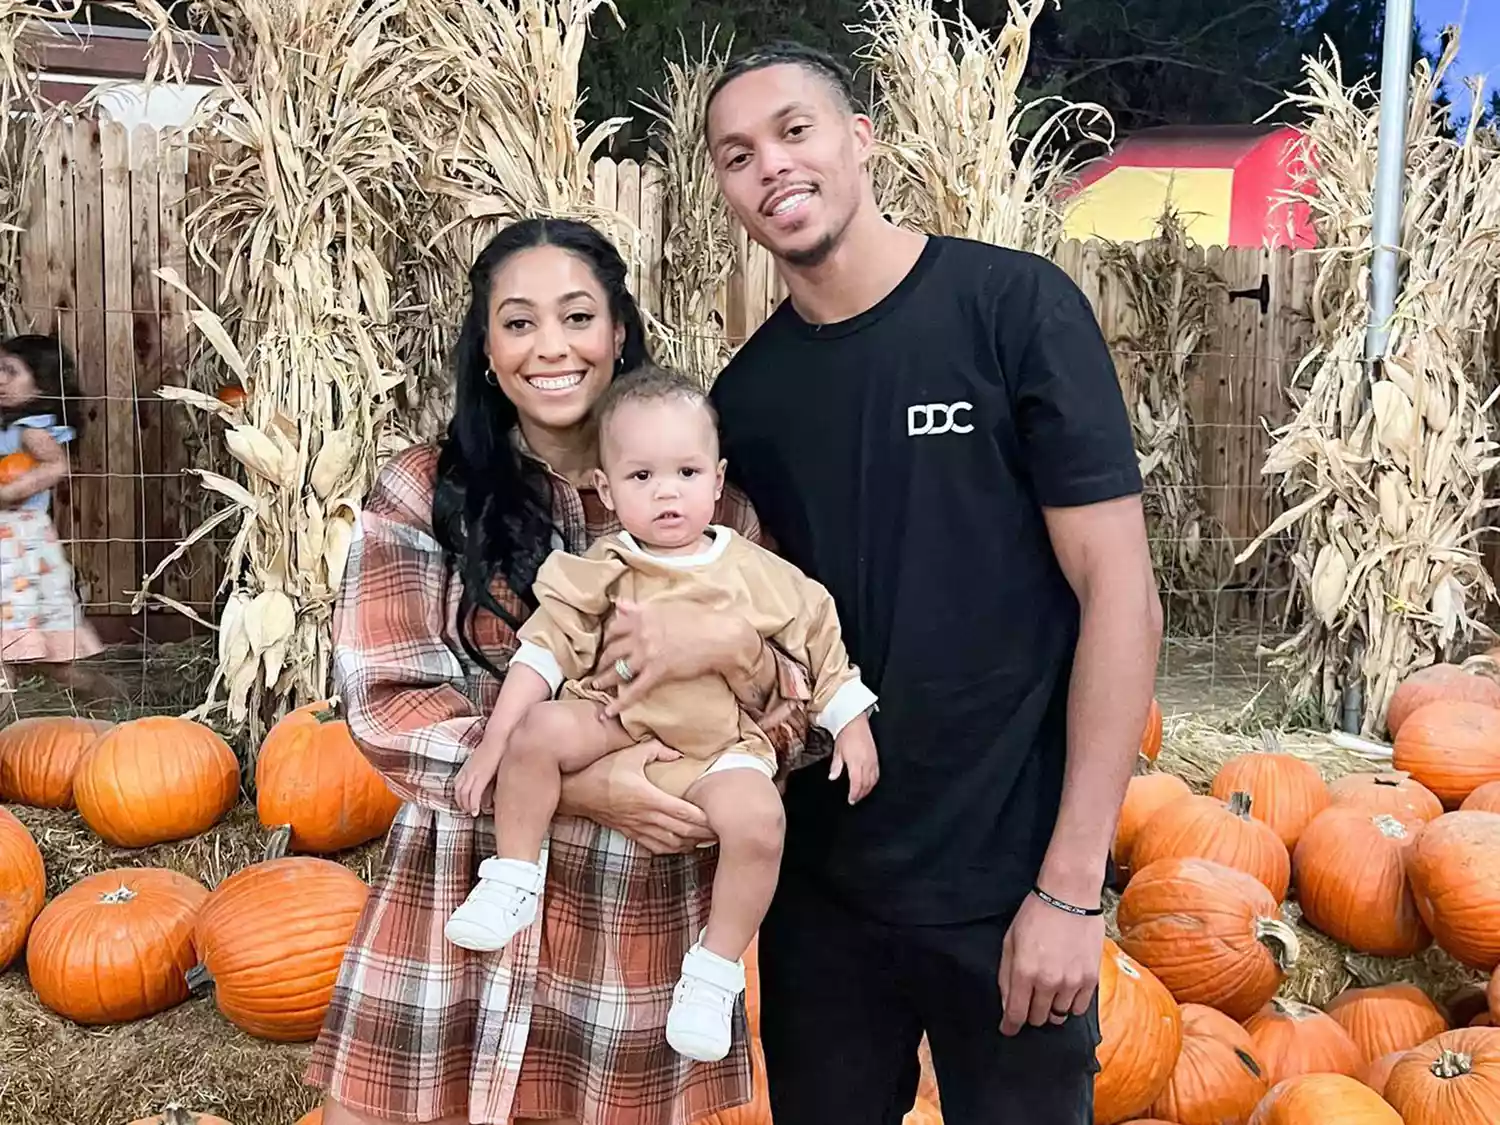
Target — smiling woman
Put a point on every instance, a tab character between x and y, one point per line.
438	581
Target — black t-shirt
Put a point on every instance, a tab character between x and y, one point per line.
902	458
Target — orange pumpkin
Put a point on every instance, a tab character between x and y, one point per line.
116	946
38	757
1454	869
1451	746
23	885
757	1111
1140	1028
1376	1074
1211	934
231	394
1387	1017
1350	869
272	936
1146	793
1484	799
13	466
1323	1099
1217	1078
1285	792
311	775
1151	736
1292	1039
312	1117
151	780
1205	827
1452	1079
1447	683
1395	793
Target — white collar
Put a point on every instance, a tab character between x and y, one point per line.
711	554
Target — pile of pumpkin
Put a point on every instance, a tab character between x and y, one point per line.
133	941
1386	863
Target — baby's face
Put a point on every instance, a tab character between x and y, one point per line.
662	473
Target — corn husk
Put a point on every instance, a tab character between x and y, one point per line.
959	152
699	247
1385	478
24	117
1167	288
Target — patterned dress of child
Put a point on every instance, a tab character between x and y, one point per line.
40	617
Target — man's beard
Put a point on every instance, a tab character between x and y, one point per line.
814	255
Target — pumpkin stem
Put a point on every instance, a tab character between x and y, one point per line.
278	842
1269	742
1281	940
198	976
328	711
123	894
1239	804
174	1114
1292	1009
1452	1064
1392	779
1247	1060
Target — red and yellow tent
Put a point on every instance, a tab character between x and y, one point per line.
1225	181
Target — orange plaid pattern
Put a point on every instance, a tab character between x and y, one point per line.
567	1021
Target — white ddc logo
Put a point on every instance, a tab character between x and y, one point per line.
937	418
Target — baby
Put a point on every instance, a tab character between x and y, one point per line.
662	476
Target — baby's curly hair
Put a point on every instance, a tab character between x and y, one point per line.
650	383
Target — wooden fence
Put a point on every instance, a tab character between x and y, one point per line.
110	210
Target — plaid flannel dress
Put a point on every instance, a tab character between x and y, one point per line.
568	1020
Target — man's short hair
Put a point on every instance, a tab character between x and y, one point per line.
650	383
788	53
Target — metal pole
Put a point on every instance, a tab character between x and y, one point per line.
1385	274
1390	175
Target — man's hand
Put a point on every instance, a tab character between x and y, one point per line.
1049	965
616	793
854	752
662	643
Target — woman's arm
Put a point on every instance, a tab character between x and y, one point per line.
406	692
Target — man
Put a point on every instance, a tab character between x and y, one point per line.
933	428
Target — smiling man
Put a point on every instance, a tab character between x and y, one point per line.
932	427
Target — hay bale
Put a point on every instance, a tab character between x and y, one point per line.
71	850
61	1073
58	1073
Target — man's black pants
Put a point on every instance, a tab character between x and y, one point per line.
845	1000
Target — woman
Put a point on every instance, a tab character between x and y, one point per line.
568	1022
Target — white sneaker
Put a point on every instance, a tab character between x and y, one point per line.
699	1024
499	907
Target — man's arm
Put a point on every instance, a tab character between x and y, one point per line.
1103	552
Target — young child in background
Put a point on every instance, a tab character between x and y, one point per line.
662	476
41	621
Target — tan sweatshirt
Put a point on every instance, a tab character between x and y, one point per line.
700	718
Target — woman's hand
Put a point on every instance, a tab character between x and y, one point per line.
661	643
616	793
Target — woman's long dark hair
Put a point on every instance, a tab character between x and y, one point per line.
492	512
52	372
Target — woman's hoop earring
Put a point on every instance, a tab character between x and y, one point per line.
490	377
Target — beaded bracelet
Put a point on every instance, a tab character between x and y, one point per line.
1066	906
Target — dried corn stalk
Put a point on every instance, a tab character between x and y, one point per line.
1385	480
1168	288
305	186
954	158
699	249
493	113
23	118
